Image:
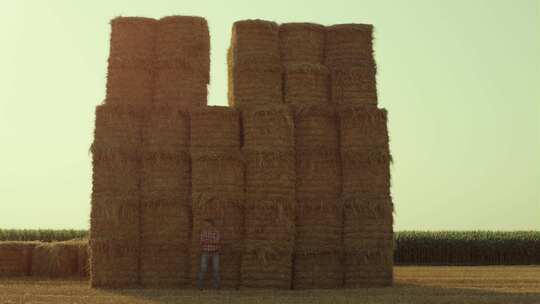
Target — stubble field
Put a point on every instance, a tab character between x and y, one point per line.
413	284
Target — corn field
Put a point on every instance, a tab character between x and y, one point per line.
43	235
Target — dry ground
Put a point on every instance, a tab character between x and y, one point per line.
467	285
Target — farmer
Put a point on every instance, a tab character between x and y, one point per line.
210	243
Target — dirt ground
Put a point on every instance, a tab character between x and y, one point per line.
418	285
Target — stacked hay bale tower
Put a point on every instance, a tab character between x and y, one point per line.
365	156
318	248
182	52
117	152
255	87
218	187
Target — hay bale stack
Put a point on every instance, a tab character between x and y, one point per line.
306	83
302	43
165	197
218	188
16	258
254	64
114	219
130	74
318	188
368	207
182	61
269	155
57	259
349	56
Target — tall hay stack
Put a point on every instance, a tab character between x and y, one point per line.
130	75
114	219
254	64
16	258
165	197
218	188
368	226
349	56
182	70
270	196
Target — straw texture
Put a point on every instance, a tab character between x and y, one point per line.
16	258
354	86
318	271
302	42
57	259
114	263
348	45
306	83
268	128
214	128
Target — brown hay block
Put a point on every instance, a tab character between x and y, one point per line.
366	209
229	169
369	267
181	87
215	128
268	127
16	258
114	263
255	38
270	173
118	219
165	131
164	264
366	173
226	208
57	259
118	130
362	127
302	42
318	174
306	83
354	86
114	177
83	259
163	179
163	222
255	85
133	37
316	129
318	271
184	42
267	269
129	85
348	45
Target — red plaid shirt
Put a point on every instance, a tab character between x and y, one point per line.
210	240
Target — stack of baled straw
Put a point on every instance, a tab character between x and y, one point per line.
16	258
365	157
255	87
218	188
318	248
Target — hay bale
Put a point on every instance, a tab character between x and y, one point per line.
316	129
317	173
268	128
114	263
165	132
269	268
164	264
362	127
165	222
131	61
115	217
229	168
370	267
306	83
215	128
114	177
16	258
349	45
366	173
302	42
183	43
181	87
318	271
56	259
354	86
163	179
254	65
83	258
117	131
270	173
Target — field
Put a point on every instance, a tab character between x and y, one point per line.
414	284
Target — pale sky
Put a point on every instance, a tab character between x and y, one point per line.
460	80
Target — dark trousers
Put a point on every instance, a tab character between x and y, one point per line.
205	257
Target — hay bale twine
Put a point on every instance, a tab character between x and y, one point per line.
362	127
306	83
114	263
349	45
354	86
268	128
302	42
318	271
16	258
165	131
56	259
215	128
183	43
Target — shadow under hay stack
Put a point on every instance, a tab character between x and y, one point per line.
254	64
165	197
218	188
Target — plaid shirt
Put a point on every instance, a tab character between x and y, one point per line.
210	240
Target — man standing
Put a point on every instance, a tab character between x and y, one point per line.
210	243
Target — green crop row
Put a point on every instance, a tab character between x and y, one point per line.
44	235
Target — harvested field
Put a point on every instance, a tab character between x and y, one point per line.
422	285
